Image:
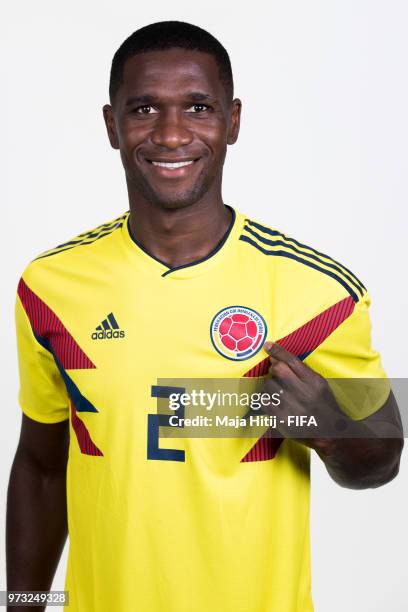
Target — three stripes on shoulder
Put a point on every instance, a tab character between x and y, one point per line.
87	237
272	242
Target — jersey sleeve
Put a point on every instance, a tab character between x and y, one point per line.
361	386
42	395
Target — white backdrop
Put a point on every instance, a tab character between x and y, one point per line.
322	155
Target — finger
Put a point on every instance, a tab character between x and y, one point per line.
276	391
280	354
281	371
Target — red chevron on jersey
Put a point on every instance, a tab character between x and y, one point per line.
260	369
265	448
309	336
85	442
301	343
48	327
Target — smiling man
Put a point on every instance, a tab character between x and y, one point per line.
182	286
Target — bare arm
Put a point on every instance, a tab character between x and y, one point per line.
369	461
36	525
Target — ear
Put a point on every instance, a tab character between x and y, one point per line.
110	126
235	121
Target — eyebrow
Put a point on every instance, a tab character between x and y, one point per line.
195	96
199	96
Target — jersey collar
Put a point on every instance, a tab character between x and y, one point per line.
148	262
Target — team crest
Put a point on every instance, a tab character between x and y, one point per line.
238	332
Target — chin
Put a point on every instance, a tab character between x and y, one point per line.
170	205
175	201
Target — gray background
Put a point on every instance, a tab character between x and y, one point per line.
322	156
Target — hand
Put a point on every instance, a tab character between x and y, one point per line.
304	394
357	453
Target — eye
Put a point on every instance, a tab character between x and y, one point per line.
198	108
146	109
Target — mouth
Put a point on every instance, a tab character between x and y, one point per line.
171	165
172	168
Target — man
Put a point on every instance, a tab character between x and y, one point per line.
182	286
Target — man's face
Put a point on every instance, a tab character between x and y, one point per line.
172	121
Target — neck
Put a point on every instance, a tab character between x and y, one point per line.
182	236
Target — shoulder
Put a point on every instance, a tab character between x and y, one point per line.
74	254
86	238
300	262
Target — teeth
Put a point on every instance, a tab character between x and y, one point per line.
172	164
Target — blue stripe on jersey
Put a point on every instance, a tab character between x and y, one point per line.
83	239
81	403
309	255
306	262
272	232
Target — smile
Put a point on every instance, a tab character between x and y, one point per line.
172	164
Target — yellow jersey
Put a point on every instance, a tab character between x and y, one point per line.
177	525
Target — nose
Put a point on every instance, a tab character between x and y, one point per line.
170	132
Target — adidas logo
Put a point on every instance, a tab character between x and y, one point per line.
108	329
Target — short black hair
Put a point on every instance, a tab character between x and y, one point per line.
164	35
